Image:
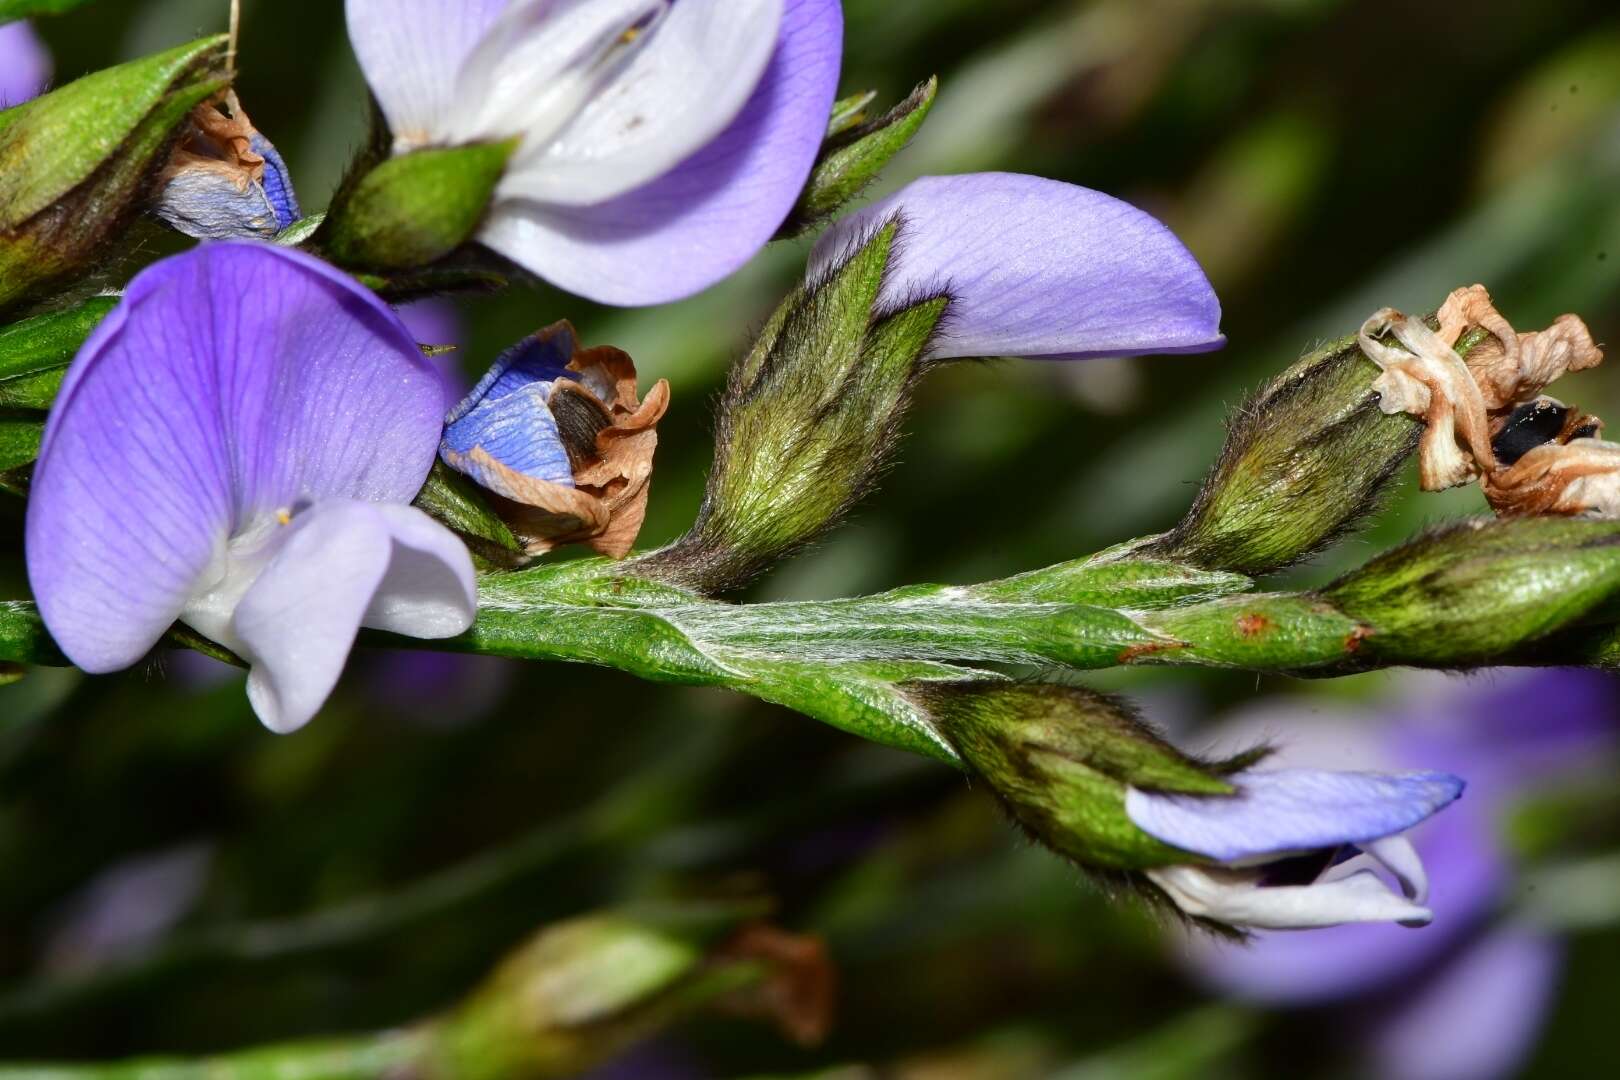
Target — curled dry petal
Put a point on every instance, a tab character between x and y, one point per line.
1482	414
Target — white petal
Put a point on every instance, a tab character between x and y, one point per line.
540	63
1234	897
679	90
344	564
430	590
411	52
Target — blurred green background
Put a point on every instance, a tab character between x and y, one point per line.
1321	158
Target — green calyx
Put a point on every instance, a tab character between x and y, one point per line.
855	153
1306	459
75	164
1060	758
1470	592
806	423
414	209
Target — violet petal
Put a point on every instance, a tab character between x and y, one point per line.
232	381
25	66
1291	810
1037	268
701	221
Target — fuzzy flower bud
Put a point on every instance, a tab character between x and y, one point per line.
1231	843
77	164
1304	461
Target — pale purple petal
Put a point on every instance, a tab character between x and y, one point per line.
1037	268
1290	810
687	79
1478	1017
700	222
25	66
234	380
411	52
1467	874
346	564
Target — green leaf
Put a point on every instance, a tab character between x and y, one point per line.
35	353
855	154
19	440
1111	580
414	209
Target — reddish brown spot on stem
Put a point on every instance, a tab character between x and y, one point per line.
1132	653
1251	624
1353	640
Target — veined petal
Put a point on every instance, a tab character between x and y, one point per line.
411	52
24	64
674	94
702	220
234	380
1291	810
541	63
1233	897
345	564
1037	268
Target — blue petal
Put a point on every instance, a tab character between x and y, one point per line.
515	434
278	186
210	203
1292	810
542	358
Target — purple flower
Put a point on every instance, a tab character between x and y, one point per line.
1298	848
661	143
1467	997
236	447
1037	268
25	66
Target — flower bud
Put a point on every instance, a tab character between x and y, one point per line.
806	423
1061	759
1473	591
1305	460
415	209
77	164
1228	844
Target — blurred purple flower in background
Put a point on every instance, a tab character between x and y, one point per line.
1035	268
661	144
1465	999
25	66
236	446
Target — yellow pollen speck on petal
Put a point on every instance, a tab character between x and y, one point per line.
283	517
630	35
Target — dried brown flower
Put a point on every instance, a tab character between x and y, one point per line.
610	434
